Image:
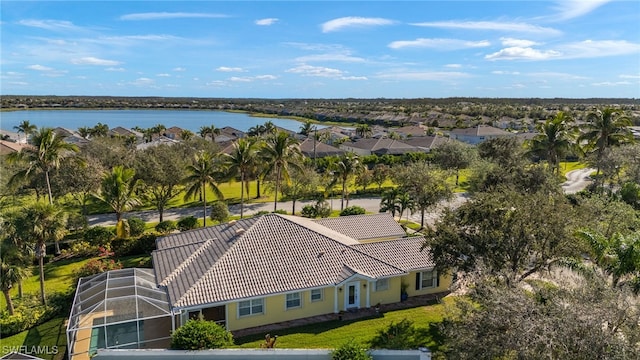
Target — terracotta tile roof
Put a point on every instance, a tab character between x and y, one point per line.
274	254
403	253
365	227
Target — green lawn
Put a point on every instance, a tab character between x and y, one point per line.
50	337
331	334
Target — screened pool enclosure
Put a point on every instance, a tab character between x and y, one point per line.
118	309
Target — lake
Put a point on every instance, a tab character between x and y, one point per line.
185	119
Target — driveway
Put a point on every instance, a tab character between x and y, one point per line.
576	181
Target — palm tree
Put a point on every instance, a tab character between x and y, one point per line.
389	201
405	202
555	138
186	135
364	130
159	129
49	148
343	170
100	130
42	223
204	131
213	132
269	128
118	190
306	128
202	173
84	132
606	128
239	163
279	153
13	269
25	127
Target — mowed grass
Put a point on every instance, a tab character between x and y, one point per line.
331	334
47	341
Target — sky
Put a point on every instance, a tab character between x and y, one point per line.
321	49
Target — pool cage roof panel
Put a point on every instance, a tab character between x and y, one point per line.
117	296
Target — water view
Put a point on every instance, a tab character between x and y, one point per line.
185	119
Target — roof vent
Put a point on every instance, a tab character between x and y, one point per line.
321	253
240	231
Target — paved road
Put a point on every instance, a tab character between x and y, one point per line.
576	181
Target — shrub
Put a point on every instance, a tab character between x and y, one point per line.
187	223
260	213
350	350
280	211
82	249
97	266
199	335
137	226
309	211
397	336
352	210
320	209
138	246
99	235
219	212
29	312
76	222
166	226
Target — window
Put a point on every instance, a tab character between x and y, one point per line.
316	295
428	279
251	307
293	300
382	284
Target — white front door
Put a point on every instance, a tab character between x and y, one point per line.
352	296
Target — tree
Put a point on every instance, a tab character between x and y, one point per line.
389	201
555	138
405	202
186	135
454	155
118	190
426	186
343	171
41	223
160	168
507	234
239	164
306	128
380	174
99	130
363	130
25	127
505	151
280	153
203	173
304	181
13	267
213	132
605	128
200	335
47	152
78	177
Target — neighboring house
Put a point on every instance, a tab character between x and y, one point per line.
334	134
411	131
427	143
265	271
174	133
13	136
71	136
162	140
119	131
232	132
478	134
8	147
383	146
311	148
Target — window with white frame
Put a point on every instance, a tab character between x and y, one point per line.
382	284
251	307
316	295
293	300
428	279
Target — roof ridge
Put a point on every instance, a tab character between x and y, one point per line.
186	262
329	230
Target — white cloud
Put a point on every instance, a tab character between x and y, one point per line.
611	83
230	69
240	79
266	22
423	75
600	48
520	53
569	9
308	70
90	60
143	82
491	25
629	76
170	15
356	78
502	72
353	21
440	44
180	69
53	25
330	57
556	75
266	77
517	42
163	75
453	66
115	69
39	67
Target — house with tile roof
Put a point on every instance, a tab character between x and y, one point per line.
478	134
381	146
272	270
318	149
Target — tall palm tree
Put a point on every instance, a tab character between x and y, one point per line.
13	269
343	170
186	135
389	201
280	152
306	128
48	150
405	202
204	131
213	132
606	128
364	130
239	163
269	128
42	223
25	127
555	138
203	173
118	190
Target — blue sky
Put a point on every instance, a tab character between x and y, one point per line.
321	49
